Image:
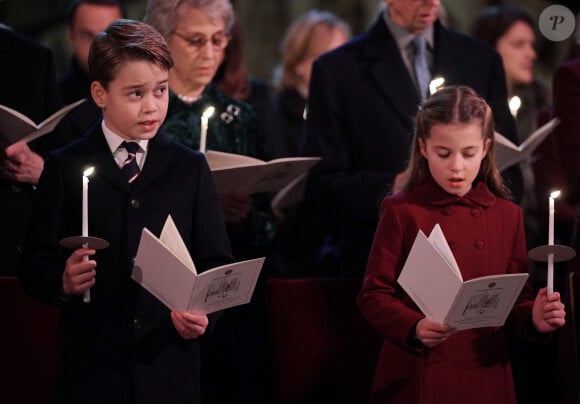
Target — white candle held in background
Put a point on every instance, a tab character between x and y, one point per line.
550	285
85	221
204	121
436	84
514	104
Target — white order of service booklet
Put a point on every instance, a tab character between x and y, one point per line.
17	127
164	267
291	194
433	280
507	154
236	172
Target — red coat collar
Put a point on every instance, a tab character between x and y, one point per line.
429	192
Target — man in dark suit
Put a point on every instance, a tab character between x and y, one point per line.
28	85
124	346
86	18
363	97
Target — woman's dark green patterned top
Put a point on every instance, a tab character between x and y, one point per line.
233	128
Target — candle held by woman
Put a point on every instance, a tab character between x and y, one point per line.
204	122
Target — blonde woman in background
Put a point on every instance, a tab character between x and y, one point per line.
309	36
302	245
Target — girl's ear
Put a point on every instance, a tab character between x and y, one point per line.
423	148
486	144
99	94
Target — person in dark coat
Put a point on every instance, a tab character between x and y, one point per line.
363	97
124	346
566	96
29	86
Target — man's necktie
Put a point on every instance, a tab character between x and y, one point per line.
422	73
130	168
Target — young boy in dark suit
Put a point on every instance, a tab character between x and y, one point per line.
124	346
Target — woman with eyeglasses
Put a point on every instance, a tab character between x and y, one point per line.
197	32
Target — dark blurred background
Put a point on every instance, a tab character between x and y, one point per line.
264	21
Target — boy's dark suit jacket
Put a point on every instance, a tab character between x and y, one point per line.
361	114
122	345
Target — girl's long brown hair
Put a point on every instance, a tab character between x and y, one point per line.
452	105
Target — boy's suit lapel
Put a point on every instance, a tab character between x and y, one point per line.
100	157
157	159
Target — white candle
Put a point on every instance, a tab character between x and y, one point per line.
204	121
553	195
551	221
550	285
85	225
85	222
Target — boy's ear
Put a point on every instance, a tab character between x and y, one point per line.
99	94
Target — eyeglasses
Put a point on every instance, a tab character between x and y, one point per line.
219	40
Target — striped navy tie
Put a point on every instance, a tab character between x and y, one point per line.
129	168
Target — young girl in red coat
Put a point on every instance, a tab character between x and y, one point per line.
452	180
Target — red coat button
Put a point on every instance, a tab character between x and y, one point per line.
475	212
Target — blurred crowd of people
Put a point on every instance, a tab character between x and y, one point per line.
350	100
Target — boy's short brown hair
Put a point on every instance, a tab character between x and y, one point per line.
126	40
